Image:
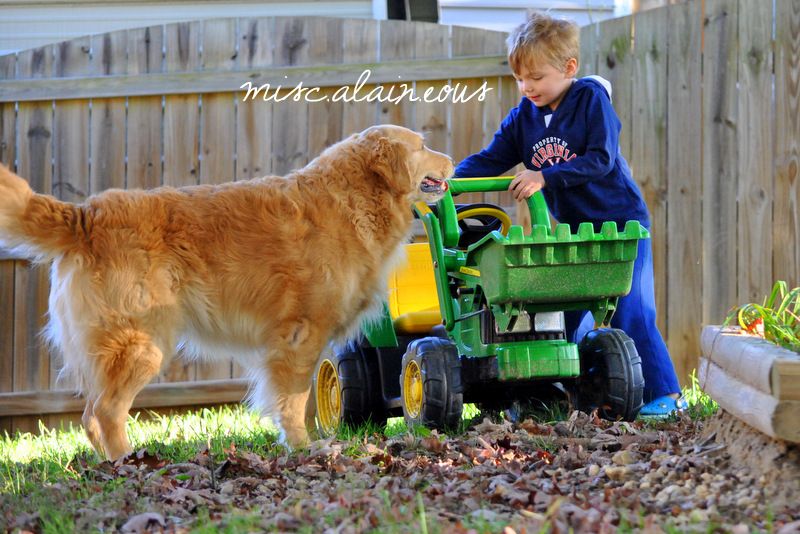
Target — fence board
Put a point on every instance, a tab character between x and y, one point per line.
325	121
430	118
253	139
397	40
8	134
720	158
786	216
188	82
254	117
71	125
466	131
145	50
218	110
360	46
152	396
325	118
71	150
466	118
108	116
755	150
290	118
144	116
648	157
615	63
36	63
683	196
255	46
8	67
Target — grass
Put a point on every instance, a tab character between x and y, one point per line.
700	405
27	460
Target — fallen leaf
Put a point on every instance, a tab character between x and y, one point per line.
143	522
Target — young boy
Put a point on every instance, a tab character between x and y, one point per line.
566	133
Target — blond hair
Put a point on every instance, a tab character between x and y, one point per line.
543	40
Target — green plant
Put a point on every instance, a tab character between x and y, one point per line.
777	320
701	406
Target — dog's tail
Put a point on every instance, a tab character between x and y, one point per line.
39	227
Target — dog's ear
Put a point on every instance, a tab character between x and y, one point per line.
388	159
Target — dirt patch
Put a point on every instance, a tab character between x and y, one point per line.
773	461
579	475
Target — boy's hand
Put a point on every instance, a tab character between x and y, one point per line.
526	183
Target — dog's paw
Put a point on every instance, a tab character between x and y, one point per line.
294	438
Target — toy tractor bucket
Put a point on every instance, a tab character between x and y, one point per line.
556	270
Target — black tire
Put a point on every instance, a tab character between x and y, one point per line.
431	366
359	388
611	379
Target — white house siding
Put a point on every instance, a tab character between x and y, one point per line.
31	23
28	24
504	15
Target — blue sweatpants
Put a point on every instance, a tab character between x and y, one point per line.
636	316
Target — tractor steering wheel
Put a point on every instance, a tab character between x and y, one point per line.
477	220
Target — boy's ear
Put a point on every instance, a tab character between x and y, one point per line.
571	67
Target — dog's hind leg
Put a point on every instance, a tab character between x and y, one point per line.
126	360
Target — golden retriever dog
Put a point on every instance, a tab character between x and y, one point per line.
270	270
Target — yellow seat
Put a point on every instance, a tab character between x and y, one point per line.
413	303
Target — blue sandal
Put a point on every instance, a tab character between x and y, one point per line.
662	407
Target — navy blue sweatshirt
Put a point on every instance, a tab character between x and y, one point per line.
586	177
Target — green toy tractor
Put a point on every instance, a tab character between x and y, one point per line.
477	315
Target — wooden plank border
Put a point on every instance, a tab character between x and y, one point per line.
164	395
6	254
214	81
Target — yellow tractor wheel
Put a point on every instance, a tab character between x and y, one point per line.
328	394
430	384
412	389
347	389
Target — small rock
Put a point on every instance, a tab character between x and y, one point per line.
701	491
698	516
143	522
593	470
790	528
624	457
617	473
485	514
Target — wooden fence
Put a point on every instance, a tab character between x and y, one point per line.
163	105
714	150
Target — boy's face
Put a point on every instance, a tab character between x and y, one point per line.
545	85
